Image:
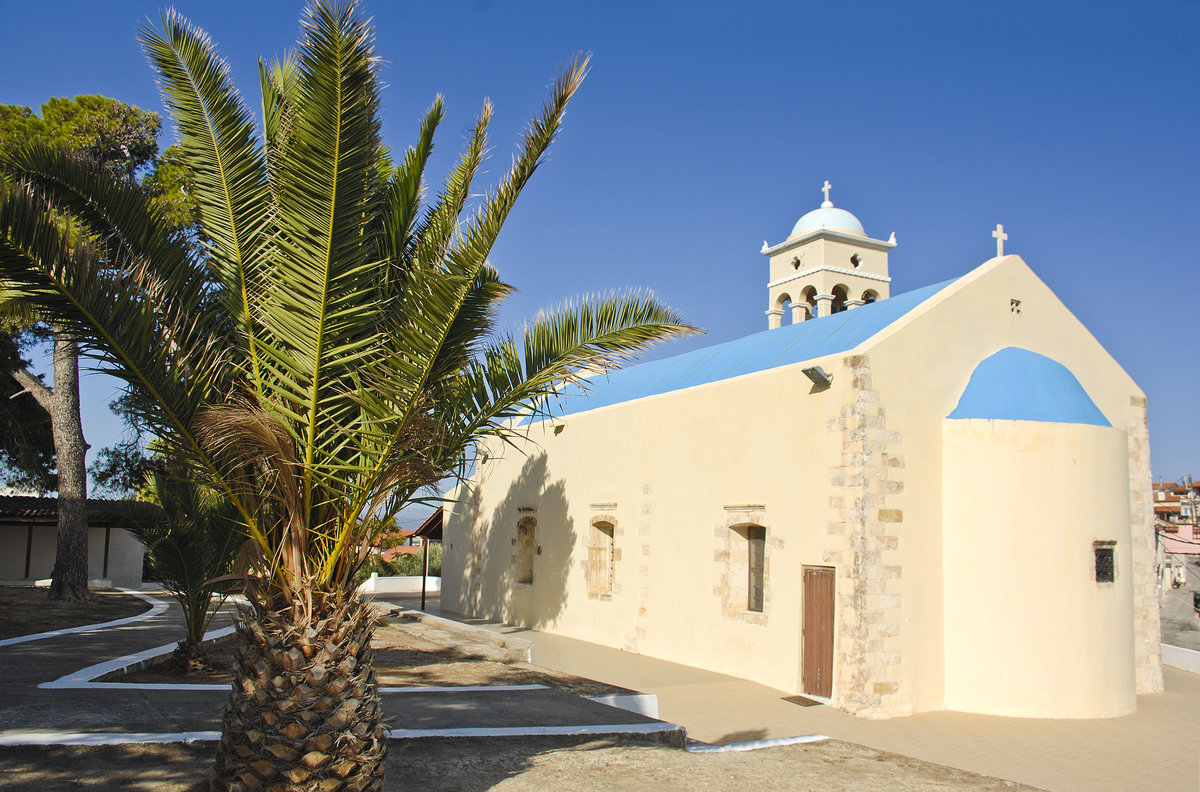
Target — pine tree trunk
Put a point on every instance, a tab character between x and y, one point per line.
69	580
304	713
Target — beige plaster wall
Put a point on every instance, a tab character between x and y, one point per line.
849	477
1029	631
922	366
675	475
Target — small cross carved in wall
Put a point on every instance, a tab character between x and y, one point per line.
1014	305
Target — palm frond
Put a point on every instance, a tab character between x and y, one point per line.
323	295
160	333
227	163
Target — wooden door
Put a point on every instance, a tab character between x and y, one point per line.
817	632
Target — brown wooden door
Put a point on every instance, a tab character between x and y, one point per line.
817	636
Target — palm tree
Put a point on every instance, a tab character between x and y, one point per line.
329	355
192	539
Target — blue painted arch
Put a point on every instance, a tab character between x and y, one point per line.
1019	385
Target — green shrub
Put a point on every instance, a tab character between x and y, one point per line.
401	566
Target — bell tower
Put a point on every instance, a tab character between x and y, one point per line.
828	264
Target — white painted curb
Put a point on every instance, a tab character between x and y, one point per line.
158	607
754	745
1183	659
639	703
82	679
461	688
535	731
104	738
113	738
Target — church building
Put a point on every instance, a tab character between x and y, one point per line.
893	503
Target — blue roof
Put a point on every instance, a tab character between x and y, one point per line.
1019	385
794	343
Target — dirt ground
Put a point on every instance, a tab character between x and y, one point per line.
525	765
25	610
404	655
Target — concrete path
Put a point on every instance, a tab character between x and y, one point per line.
1156	748
75	711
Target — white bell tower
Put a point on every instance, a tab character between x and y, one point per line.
828	264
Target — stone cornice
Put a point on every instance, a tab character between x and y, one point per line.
837	270
831	234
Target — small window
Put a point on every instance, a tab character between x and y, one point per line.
525	545
1106	568
756	545
600	559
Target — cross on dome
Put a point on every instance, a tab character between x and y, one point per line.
826	190
1000	237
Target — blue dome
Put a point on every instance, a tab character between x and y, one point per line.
1018	385
829	217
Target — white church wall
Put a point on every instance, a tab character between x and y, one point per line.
1029	630
923	365
850	477
678	473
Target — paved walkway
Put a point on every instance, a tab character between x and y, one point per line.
1157	748
77	711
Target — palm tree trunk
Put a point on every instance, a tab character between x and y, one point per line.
304	713
69	580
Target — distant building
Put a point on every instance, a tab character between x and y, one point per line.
29	539
934	500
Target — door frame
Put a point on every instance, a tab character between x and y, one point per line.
829	615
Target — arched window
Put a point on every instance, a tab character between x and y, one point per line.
785	304
870	296
600	558
747	567
839	298
810	296
523	559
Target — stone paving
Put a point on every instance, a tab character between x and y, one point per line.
156	712
1156	748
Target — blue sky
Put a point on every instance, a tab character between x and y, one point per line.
706	128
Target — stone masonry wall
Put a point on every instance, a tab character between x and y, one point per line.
1148	651
864	541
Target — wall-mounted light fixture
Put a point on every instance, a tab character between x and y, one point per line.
819	376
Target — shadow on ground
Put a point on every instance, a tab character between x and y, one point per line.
422	764
521	765
133	768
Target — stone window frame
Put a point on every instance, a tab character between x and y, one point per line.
614	555
525	544
732	556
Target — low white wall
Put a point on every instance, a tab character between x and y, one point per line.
407	584
1178	657
124	554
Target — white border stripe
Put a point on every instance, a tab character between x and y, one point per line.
103	738
121	738
460	688
535	731
84	676
158	607
754	745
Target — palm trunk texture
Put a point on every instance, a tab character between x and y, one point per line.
305	712
69	580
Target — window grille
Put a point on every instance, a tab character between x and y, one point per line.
1106	568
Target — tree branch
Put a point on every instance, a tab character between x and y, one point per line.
34	387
